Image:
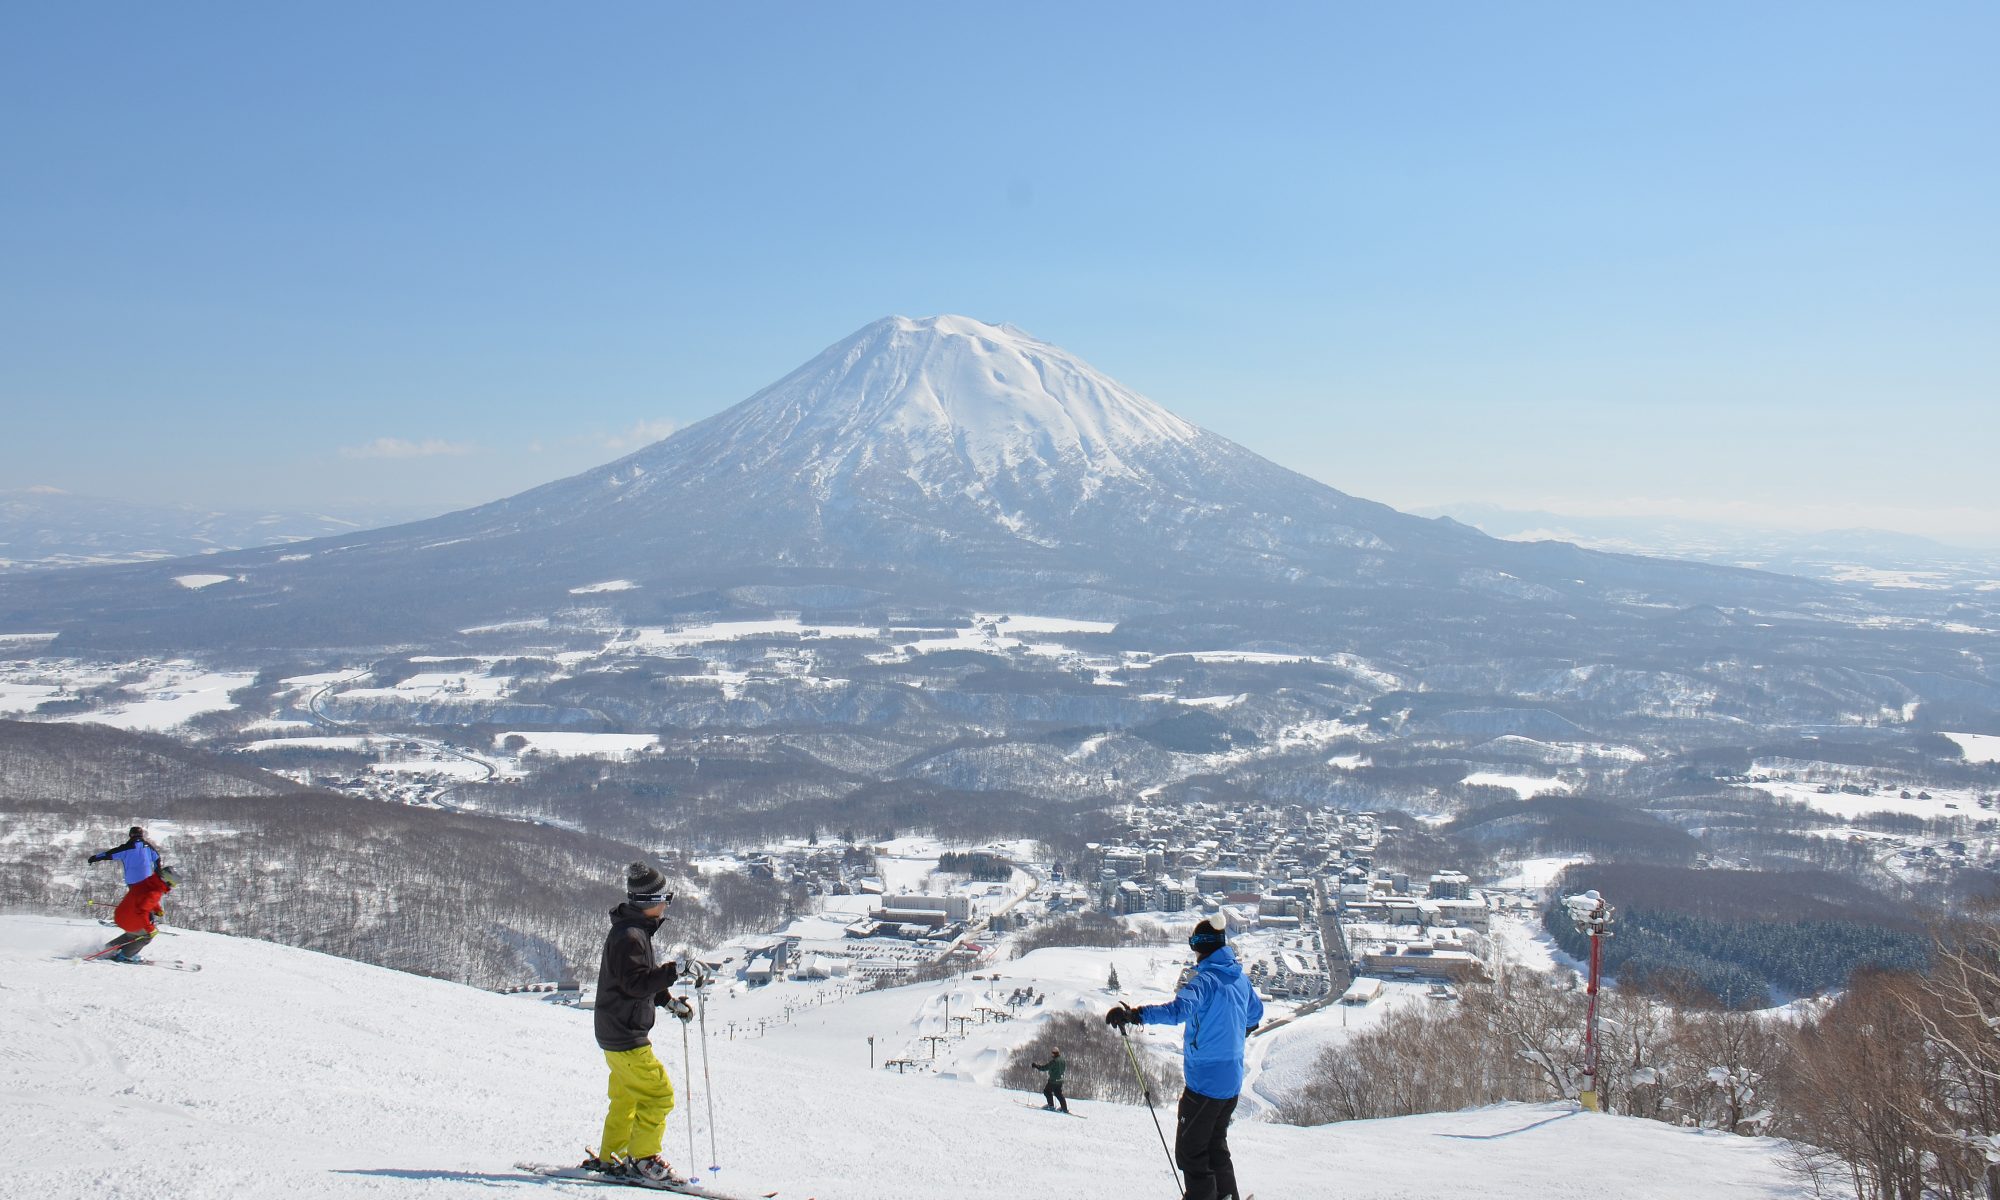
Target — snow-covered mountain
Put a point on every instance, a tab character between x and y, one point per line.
940	461
280	1072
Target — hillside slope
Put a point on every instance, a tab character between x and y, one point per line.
282	1072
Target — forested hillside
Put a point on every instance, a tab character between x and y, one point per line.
1739	935
462	896
65	763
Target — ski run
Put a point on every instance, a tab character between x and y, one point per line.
280	1072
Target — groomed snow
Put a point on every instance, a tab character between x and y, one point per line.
279	1072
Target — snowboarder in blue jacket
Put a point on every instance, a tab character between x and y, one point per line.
1219	1009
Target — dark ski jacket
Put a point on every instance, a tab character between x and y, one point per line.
138	856
630	981
1056	1065
135	912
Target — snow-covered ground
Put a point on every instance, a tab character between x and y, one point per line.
580	745
278	1072
1523	786
437	686
1977	747
172	695
1941	801
1531	873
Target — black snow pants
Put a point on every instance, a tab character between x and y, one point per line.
128	945
1201	1147
1052	1095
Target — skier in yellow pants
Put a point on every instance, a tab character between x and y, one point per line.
631	984
641	1098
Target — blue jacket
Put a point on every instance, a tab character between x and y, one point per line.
1219	1008
138	859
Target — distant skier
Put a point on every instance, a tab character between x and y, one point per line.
136	913
1220	1010
631	983
1052	1092
136	855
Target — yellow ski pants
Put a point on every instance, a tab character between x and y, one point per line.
641	1098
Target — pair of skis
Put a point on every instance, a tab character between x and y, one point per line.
685	1187
171	964
1061	1112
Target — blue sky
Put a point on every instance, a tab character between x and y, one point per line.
1722	260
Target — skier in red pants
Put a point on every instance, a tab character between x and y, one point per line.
136	913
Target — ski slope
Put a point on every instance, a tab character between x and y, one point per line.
280	1072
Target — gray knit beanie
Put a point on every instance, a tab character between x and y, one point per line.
645	886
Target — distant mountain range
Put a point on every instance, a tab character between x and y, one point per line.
45	527
1875	557
917	464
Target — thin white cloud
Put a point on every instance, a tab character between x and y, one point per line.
389	447
644	433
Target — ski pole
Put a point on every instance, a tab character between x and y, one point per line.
687	1080
707	1087
1145	1085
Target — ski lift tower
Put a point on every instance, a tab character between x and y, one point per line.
1592	917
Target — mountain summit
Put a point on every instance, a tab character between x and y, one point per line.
935	389
936	462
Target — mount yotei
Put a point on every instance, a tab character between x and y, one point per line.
920	464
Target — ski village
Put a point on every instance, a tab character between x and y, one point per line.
1113	601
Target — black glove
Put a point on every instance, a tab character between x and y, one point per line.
100	856
673	973
1121	1016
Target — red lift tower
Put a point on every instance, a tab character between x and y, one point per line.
1592	917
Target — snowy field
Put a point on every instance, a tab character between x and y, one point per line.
1532	873
1523	786
1943	802
437	686
580	745
278	1072
171	695
1977	747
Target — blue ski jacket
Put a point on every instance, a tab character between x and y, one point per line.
1219	1008
138	859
